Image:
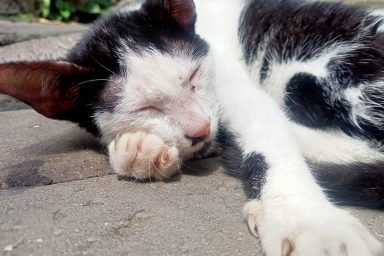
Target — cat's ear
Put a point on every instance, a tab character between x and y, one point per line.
50	87
181	11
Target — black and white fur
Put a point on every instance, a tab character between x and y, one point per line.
281	85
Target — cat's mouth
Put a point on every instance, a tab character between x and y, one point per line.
201	147
196	141
203	152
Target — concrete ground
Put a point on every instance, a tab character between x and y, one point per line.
58	198
11	33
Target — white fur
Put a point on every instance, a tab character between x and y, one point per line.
136	5
380	15
325	146
293	204
366	108
359	108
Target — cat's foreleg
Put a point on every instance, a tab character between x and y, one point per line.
142	156
288	210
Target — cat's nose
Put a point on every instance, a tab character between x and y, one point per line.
200	134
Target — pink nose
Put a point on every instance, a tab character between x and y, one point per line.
203	132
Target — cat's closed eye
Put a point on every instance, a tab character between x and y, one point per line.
149	108
194	73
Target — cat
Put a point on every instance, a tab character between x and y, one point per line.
274	86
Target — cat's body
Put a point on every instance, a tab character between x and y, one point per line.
276	81
322	63
284	55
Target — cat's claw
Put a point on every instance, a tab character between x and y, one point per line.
328	231
142	156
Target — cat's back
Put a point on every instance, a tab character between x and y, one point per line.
322	62
306	26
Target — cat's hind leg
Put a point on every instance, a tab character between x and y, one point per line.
142	156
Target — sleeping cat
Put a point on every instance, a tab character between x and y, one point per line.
277	85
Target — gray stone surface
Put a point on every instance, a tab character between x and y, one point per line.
32	148
11	32
39	49
104	216
9	103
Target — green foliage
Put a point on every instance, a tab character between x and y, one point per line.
66	9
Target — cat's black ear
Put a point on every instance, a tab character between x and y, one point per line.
181	11
50	87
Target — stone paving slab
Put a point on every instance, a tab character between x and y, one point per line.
13	32
9	103
38	151
39	49
103	216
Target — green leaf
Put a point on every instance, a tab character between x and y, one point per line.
65	14
45	8
105	3
64	8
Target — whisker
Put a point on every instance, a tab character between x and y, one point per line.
189	167
179	168
159	172
95	80
150	178
104	66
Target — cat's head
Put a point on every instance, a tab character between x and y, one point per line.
140	68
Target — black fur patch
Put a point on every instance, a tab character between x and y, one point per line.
356	184
251	169
306	103
310	102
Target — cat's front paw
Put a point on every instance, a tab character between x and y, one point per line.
291	231
142	156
